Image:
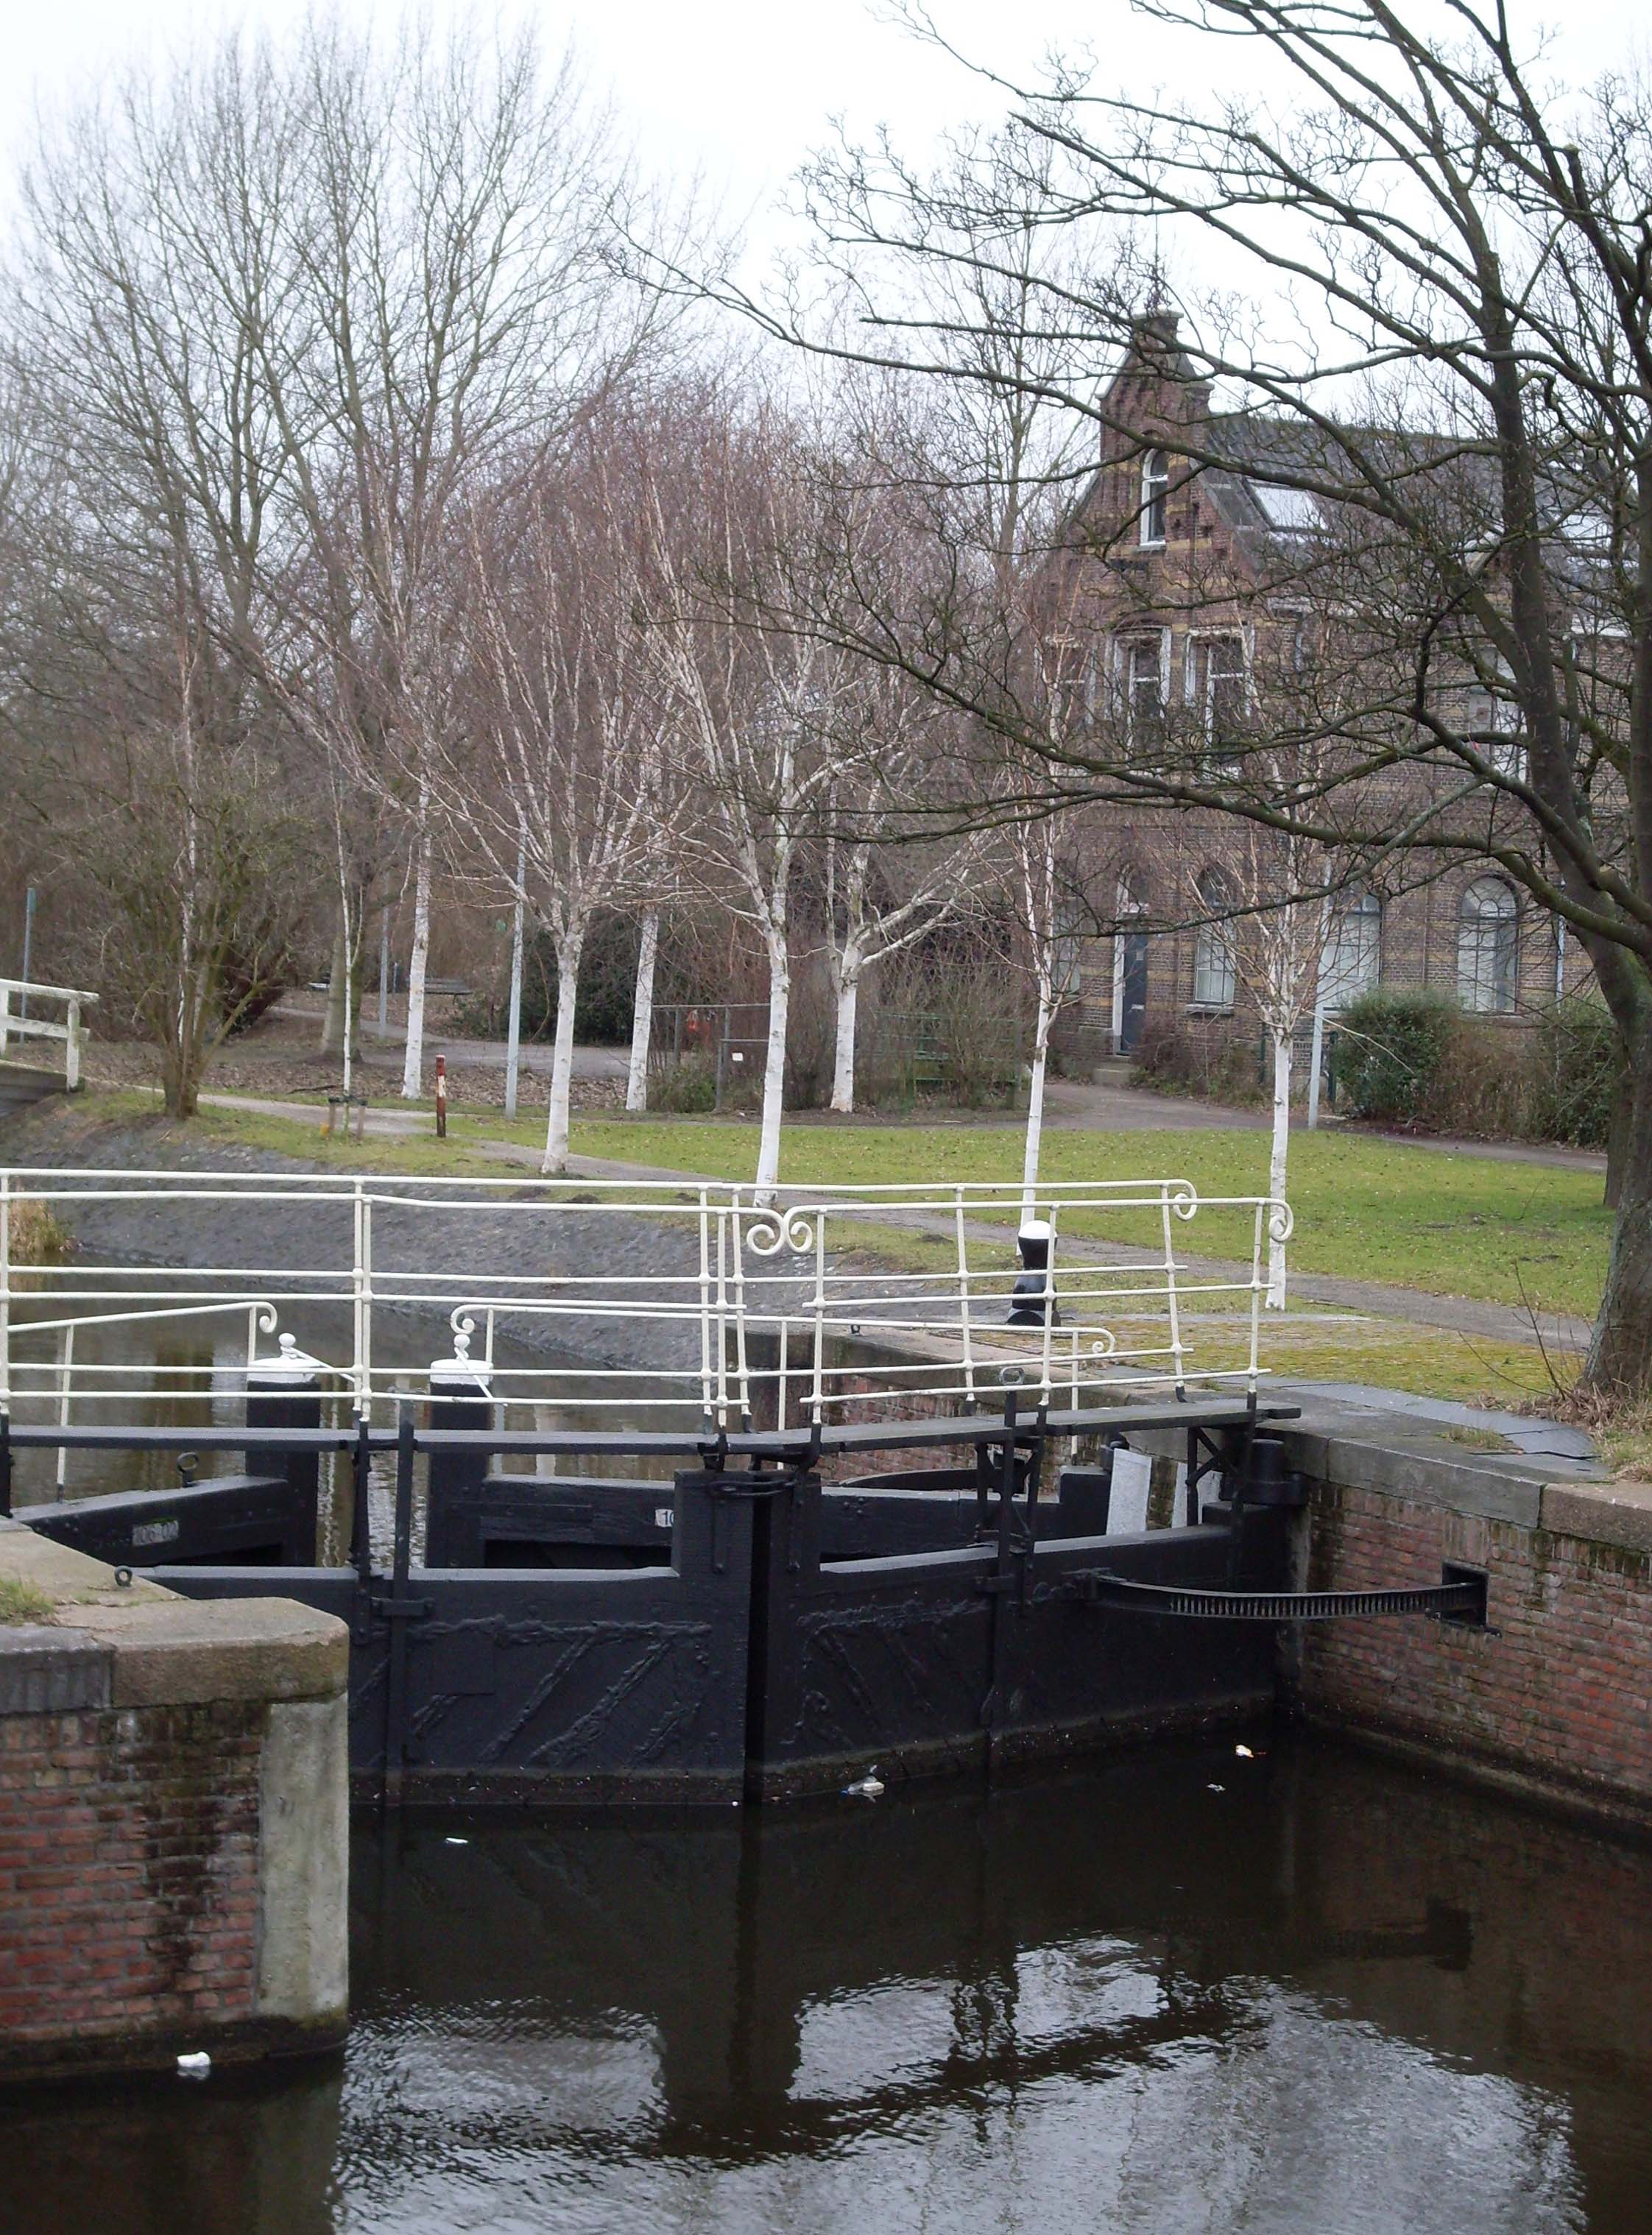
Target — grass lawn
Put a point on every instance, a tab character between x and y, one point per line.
1378	1210
1450	1224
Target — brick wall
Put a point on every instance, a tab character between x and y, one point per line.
128	1869
1552	1696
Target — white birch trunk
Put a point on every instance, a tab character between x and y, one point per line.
1277	1161
413	1063
849	995
569	954
774	1068
1035	1099
642	1014
332	1019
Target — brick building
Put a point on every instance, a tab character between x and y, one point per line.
1188	599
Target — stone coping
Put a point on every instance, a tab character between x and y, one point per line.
1350	1449
140	1645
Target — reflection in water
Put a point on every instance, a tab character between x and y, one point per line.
1330	1997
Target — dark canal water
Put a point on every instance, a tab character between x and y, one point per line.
1303	1994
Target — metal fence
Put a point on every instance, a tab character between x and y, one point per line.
818	1306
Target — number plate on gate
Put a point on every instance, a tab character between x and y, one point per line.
663	1518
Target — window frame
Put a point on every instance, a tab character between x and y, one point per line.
1488	948
1156	500
1365	907
1216	957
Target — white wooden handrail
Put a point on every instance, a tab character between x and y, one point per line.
72	1032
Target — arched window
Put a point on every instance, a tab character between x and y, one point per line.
1215	977
1488	944
1352	962
1156	484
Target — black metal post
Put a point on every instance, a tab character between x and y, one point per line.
398	1611
460	1400
285	1391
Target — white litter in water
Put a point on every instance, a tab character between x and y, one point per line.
865	1788
455	1841
1216	1789
194	2064
1244	1754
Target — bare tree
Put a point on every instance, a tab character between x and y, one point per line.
1455	322
756	705
557	773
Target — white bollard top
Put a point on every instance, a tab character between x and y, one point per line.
460	1371
1033	1229
290	1368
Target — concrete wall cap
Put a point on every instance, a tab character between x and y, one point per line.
196	1649
48	1671
1601	1513
1489	1486
69	1577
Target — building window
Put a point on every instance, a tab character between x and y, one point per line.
1352	962
1145	688
1492	725
1215	976
1488	943
1219	686
1066	955
1155	489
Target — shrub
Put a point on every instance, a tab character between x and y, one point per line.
975	1020
1575	1072
685	1088
1215	1065
1391	1050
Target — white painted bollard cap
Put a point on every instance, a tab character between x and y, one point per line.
290	1368
1033	1229
460	1375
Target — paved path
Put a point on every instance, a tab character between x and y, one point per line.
1467	1315
1078	1105
463	1054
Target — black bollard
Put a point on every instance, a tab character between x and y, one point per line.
460	1398
285	1391
1033	1296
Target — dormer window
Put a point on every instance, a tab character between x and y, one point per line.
1155	488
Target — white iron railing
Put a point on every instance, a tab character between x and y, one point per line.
824	1305
17	1024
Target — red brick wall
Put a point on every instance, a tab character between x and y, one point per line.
128	1869
1554	1692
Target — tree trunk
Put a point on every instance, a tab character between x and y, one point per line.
1035	1103
1620	1354
568	953
1277	1163
332	1022
642	1013
1617	1141
849	995
774	1070
413	1062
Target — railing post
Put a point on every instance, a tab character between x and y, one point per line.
72	1048
285	1391
5	1017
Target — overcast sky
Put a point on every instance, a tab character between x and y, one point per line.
739	90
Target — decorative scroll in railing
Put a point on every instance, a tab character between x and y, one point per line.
19	1002
626	1299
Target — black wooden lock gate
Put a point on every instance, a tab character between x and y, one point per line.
739	1629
